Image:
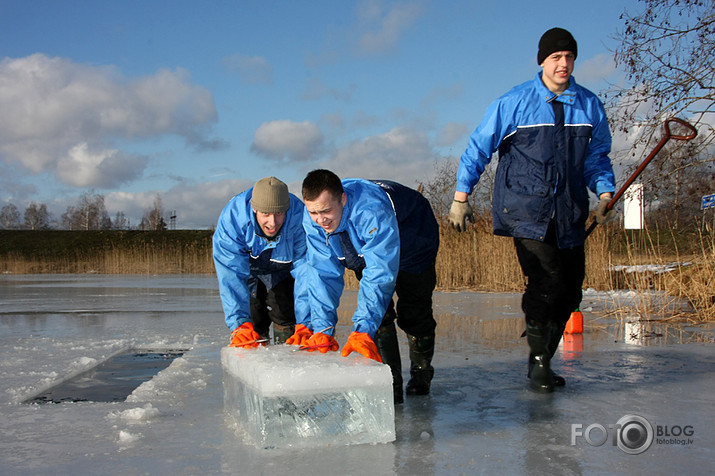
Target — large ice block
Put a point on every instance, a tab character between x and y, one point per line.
282	397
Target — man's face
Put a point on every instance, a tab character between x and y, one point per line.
326	210
270	223
557	70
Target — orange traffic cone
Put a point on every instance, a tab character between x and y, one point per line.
575	323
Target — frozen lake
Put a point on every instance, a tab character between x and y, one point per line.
479	419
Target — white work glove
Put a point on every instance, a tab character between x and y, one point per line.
458	214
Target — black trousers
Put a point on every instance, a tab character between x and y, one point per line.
274	305
413	311
554	279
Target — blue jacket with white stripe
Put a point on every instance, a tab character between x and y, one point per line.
385	228
243	254
551	148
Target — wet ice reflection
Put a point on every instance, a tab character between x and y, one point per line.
479	419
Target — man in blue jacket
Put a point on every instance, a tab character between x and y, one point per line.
259	254
553	141
388	235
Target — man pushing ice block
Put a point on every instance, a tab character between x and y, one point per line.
280	395
283	397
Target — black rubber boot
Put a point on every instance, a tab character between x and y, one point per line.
282	333
386	342
540	378
556	332
559	381
421	370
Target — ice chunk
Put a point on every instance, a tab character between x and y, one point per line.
282	397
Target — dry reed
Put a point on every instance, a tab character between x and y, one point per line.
475	260
145	258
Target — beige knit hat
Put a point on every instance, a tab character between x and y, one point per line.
270	195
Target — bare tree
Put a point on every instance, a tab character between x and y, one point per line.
668	52
10	217
439	190
89	213
676	183
153	218
37	217
121	222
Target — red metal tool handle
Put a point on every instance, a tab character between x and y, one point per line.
692	132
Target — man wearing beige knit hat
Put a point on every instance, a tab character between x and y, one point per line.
259	254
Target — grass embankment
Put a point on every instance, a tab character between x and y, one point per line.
106	252
476	260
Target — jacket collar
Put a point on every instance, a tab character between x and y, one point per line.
567	97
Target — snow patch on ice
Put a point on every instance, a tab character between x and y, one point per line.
83	363
141	414
650	268
170	382
127	439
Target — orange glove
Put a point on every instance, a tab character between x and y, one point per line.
244	336
300	336
322	342
361	343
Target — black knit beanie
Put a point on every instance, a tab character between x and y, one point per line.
556	39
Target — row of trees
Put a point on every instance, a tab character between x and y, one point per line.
89	213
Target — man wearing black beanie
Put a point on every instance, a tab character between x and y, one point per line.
556	39
553	141
557	53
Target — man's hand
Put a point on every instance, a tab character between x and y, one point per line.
361	343
459	212
244	336
602	213
322	342
300	336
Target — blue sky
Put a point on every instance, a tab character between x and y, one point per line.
195	101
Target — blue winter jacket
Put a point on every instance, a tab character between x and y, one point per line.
243	254
385	227
548	156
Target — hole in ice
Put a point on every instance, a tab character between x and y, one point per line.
112	380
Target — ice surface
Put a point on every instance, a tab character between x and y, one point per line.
480	417
285	398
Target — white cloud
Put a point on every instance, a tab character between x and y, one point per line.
363	119
197	206
49	106
399	154
251	69
82	167
439	94
594	70
452	133
315	89
284	139
333	120
379	28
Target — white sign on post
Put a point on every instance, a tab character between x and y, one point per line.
633	207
